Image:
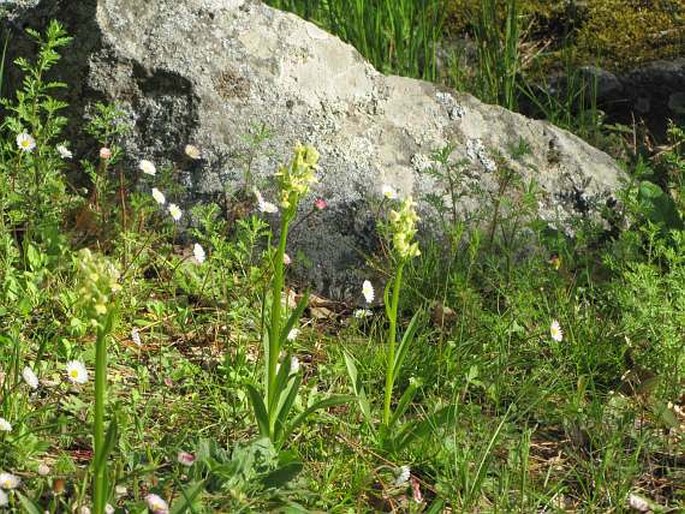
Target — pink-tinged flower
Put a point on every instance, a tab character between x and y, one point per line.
416	490
320	204
156	504
286	259
185	458
105	153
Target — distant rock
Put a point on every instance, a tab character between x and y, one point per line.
206	71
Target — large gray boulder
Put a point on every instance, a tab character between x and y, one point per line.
206	71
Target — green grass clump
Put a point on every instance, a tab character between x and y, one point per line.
155	358
396	37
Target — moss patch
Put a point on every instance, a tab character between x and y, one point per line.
616	34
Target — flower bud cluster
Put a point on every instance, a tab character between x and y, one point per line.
295	180
403	229
99	281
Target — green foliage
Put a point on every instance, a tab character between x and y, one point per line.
510	368
33	195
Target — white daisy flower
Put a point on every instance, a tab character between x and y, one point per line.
147	167
403	476
292	335
638	503
135	336
175	211
30	377
368	292
158	196
156	504
77	372
199	253
25	142
556	332
263	205
9	481
388	192
193	152
64	152
5	426
294	364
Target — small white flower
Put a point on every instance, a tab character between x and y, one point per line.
64	152
193	152
77	372
263	205
638	503
286	259
109	509
388	192
9	481
403	476
362	313
175	211
5	426
556	332
368	292
294	364
25	142
4	499
156	504
147	167
158	196
292	335
84	510
43	469
120	490
135	336
30	377
185	458
199	253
